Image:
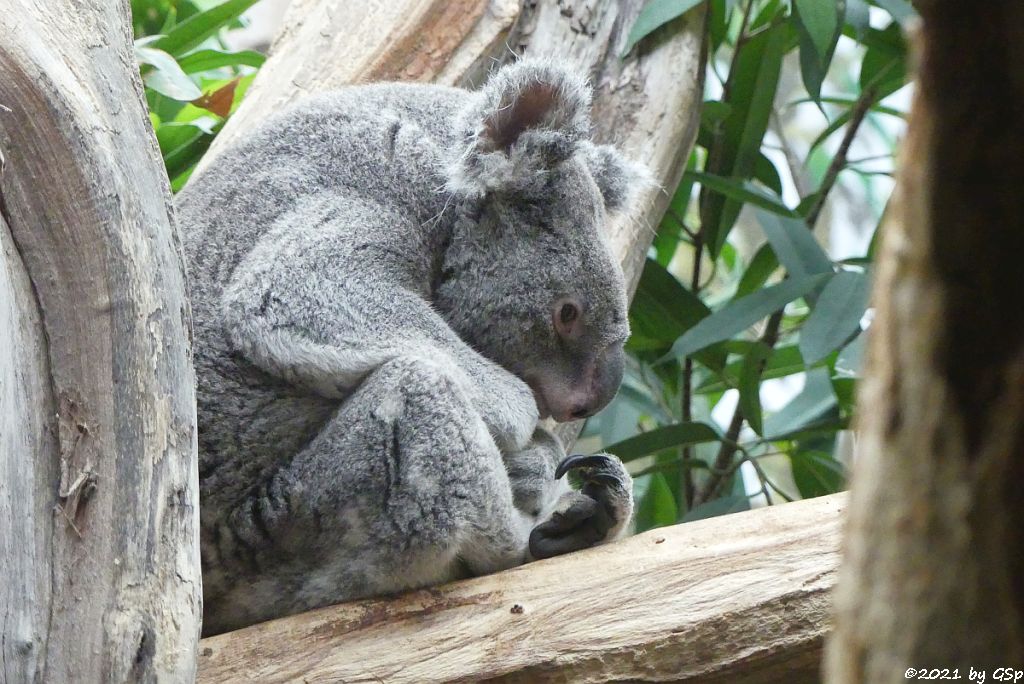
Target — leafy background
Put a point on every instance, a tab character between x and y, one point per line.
748	319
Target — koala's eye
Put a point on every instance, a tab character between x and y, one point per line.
567	317
568	313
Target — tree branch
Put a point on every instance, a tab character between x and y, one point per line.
734	599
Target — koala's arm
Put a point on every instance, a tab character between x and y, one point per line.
569	520
319	309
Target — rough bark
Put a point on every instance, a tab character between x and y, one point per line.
740	598
933	574
98	547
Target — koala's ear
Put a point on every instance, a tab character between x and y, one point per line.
529	117
619	179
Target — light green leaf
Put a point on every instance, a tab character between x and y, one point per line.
794	245
206	60
836	315
197	28
740	314
654	15
665	437
166	77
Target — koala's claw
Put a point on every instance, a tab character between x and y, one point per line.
597	513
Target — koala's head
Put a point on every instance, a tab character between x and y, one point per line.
528	279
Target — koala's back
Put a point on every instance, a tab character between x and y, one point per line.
384	142
338	141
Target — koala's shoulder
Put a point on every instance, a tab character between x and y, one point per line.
327	118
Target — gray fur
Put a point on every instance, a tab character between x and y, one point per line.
375	275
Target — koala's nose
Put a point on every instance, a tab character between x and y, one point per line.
583	411
606	380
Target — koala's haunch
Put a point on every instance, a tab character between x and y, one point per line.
391	284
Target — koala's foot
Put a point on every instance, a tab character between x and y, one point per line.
597	513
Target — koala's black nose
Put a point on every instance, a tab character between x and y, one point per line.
582	412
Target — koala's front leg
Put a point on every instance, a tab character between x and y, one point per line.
599	512
568	520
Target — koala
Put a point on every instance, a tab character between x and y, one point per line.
392	286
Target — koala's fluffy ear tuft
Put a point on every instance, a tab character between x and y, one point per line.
529	117
619	179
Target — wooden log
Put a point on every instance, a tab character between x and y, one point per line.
739	598
98	546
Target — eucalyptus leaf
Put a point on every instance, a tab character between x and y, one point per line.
836	315
741	191
740	314
737	149
656	505
653	16
783	361
816	473
821	21
665	437
165	77
900	10
794	244
193	31
819	25
807	409
858	16
884	67
765	171
206	60
750	385
758	271
851	358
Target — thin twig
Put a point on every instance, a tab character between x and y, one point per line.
857	116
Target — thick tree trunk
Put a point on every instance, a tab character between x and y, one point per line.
739	599
933	575
98	517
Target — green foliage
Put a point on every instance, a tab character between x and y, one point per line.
193	81
712	316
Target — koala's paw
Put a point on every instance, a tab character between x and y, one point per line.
599	512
